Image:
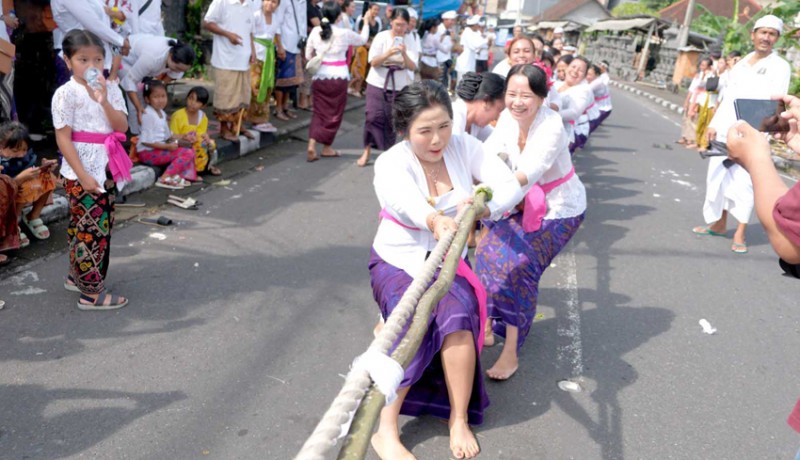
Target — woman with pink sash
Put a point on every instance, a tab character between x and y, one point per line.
90	118
513	254
329	84
420	183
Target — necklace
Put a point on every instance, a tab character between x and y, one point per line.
433	175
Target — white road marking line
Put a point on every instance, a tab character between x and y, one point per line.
571	355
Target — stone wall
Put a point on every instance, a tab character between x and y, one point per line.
620	52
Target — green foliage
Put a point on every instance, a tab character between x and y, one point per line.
195	10
630	9
794	85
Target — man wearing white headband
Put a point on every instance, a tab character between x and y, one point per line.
472	41
729	189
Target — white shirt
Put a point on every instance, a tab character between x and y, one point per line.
84	15
402	190
545	159
292	23
131	23
502	68
574	102
377	75
412	38
445	53
471	41
335	50
72	106
150	20
602	95
768	76
483	53
431	47
263	30
148	58
155	128
237	17
460	122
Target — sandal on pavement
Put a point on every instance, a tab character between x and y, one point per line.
739	248
103	302
336	154
70	285
703	230
169	183
24	242
281	115
38	229
265	128
214	171
247	134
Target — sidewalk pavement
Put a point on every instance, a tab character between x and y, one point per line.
144	176
784	159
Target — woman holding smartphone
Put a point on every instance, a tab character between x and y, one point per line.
389	53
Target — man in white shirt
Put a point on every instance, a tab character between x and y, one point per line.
482	59
85	15
232	22
292	17
729	188
149	12
444	55
471	41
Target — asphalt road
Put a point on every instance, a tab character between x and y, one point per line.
245	315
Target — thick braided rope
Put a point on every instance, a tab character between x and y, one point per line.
357	383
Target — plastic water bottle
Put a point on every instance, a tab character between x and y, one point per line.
91	76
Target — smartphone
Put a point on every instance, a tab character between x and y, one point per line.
763	115
398	41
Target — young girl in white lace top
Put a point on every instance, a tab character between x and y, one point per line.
329	84
89	114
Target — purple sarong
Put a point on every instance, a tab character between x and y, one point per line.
378	130
457	311
330	99
510	263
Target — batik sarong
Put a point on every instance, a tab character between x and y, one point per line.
510	263
378	130
330	99
91	218
457	311
290	72
9	230
231	94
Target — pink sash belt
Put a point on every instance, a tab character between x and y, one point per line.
536	202
334	63
602	97
118	161
465	272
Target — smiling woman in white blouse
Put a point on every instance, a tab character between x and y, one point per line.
512	256
420	184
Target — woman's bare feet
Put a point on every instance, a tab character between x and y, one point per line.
488	334
390	447
462	442
505	366
364	159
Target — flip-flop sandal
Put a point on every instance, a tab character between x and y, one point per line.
183	205
336	154
312	159
87	303
290	114
70	285
281	115
186	199
706	231
248	134
214	171
230	137
739	248
38	229
24	241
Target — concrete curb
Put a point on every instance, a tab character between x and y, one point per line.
658	100
145	176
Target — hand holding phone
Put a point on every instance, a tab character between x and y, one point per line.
762	114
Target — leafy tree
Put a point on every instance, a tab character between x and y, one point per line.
630	9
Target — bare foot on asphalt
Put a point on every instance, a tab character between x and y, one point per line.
390	449
462	442
504	368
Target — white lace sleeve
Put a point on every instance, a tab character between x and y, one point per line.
116	98
63	112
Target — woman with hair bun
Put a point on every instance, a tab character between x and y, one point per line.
329	84
512	256
577	97
479	103
421	182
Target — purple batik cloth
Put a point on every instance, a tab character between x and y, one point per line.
457	311
510	262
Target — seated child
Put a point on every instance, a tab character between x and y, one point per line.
157	147
190	125
35	184
9	231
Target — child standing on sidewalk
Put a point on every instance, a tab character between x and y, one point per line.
266	31
35	184
190	125
89	112
157	147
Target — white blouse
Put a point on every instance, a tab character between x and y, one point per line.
432	44
545	159
377	75
460	122
72	106
602	96
334	63
502	68
402	190
263	30
155	128
147	58
574	102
